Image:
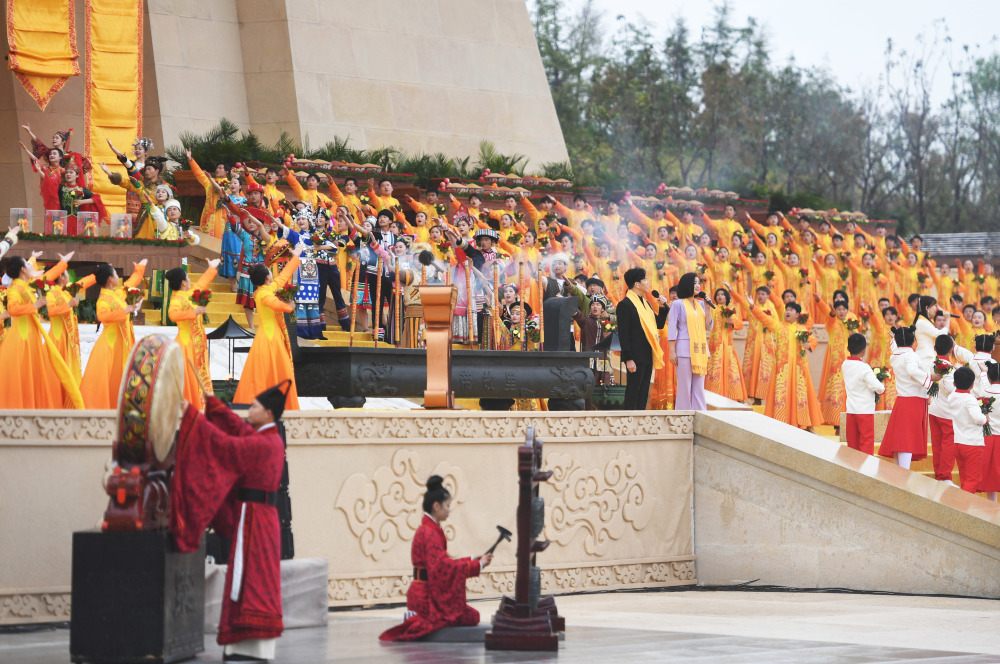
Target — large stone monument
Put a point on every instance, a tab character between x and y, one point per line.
429	76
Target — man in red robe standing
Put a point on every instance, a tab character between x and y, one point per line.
227	475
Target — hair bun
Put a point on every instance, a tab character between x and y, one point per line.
435	482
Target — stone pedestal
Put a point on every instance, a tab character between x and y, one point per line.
135	598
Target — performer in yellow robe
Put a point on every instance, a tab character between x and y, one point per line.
840	324
312	196
103	376
213	215
64	332
191	332
37	375
880	351
725	375
270	358
791	397
758	355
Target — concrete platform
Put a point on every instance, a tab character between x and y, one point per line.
703	627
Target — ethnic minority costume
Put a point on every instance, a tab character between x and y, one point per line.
50	184
106	366
437	594
140	229
232	246
269	361
225	476
307	294
192	339
83	165
252	253
38	374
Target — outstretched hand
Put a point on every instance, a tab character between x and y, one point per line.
214	263
65	258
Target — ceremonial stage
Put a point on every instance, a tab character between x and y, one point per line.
637	501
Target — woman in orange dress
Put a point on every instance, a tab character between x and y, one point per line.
103	376
191	332
791	397
42	378
269	361
758	355
725	376
881	350
65	332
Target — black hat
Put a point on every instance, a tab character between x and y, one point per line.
273	398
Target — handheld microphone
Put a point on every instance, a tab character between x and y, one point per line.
954	315
704	298
656	294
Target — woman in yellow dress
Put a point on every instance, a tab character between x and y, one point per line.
103	376
191	331
64	331
883	323
269	361
725	376
791	397
758	355
27	352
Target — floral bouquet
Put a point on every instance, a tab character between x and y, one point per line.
803	339
986	407
614	265
700	268
864	314
132	296
768	275
184	225
365	199
515	238
543	242
922	278
943	368
852	325
201	297
979	279
736	267
608	326
440	209
881	374
804	274
286	293
844	273
41	288
803	319
876	273
728	313
444	247
73	288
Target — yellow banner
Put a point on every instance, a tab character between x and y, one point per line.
42	39
113	106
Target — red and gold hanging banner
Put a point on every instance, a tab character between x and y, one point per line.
113	106
42	39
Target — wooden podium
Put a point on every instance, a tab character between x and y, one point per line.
439	310
528	621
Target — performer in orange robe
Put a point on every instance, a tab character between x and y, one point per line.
191	331
227	474
213	215
840	324
436	598
758	355
270	358
65	332
883	324
103	376
37	374
725	376
791	397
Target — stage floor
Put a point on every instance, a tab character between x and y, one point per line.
683	626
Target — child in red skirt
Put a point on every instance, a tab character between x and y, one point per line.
905	438
939	409
968	420
990	482
861	386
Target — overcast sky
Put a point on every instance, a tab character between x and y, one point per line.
847	37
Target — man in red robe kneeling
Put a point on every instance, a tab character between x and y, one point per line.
227	475
436	597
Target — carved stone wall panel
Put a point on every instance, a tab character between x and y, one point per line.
357	482
391	588
34	607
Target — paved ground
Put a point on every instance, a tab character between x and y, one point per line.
702	627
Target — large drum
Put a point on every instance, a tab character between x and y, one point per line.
150	404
